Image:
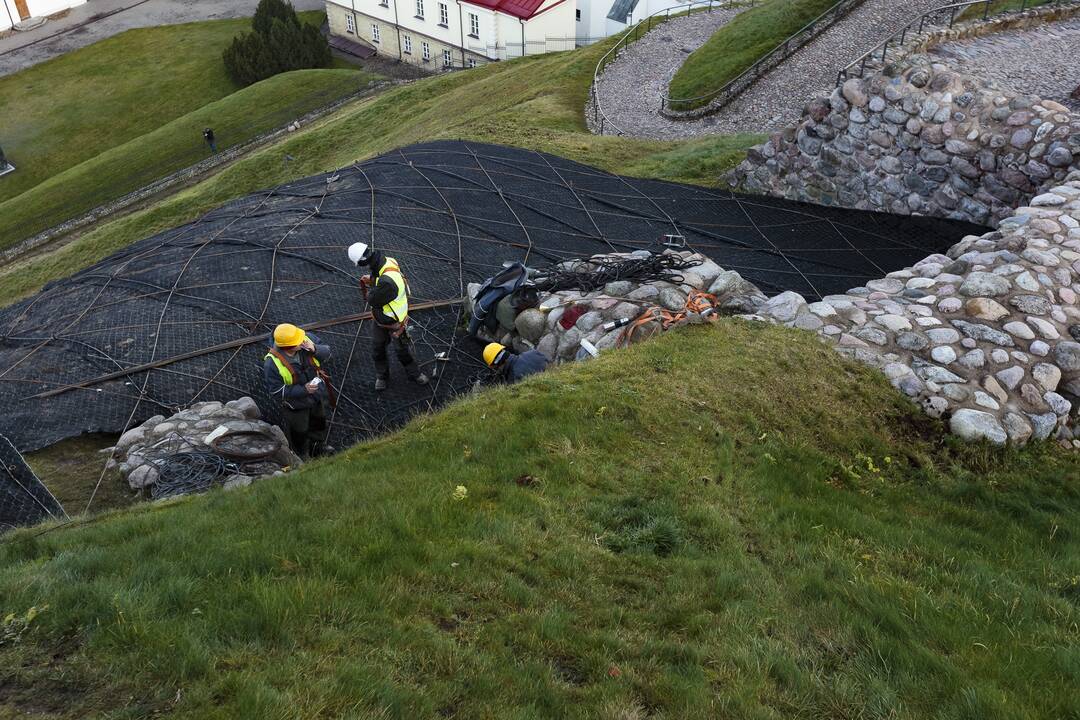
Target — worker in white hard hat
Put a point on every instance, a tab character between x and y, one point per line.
387	293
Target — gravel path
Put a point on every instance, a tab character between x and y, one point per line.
630	87
775	100
17	54
1043	60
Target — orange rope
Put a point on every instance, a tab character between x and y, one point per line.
696	302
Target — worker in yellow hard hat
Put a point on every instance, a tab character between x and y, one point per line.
386	291
294	377
511	367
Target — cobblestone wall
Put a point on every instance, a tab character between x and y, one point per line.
918	138
986	336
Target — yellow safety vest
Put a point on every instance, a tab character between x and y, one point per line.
398	308
285	368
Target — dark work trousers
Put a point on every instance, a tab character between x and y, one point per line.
380	340
306	428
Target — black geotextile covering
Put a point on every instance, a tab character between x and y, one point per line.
24	500
451	213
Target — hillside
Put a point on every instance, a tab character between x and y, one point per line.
664	532
81	132
535	102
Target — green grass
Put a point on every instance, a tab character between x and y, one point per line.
739	44
71	469
98	122
699	541
997	6
535	102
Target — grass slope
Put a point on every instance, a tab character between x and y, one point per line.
177	144
151	90
739	44
535	102
700	541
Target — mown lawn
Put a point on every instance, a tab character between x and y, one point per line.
667	532
143	97
739	44
535	102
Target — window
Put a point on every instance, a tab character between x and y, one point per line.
420	9
374	33
426	50
446	62
578	13
474	25
350	24
408	44
444	15
472	63
384	3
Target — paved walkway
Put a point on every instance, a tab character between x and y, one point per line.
1043	60
778	98
19	50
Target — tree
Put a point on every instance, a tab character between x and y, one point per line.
278	43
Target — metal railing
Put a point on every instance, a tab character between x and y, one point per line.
676	108
602	124
940	17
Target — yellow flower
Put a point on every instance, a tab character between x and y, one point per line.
460	493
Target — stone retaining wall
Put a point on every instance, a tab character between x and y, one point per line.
918	139
987	335
893	174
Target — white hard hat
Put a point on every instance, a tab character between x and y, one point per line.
359	253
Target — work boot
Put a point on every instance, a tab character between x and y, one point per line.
380	384
421	379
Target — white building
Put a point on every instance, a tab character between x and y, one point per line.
444	34
15	11
598	19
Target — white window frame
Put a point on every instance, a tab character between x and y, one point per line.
419	9
472	62
407	39
447	59
350	24
384	3
444	15
425	48
375	33
474	25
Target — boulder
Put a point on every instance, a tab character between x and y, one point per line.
975	425
530	324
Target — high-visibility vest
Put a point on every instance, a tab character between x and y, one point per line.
285	368
398	308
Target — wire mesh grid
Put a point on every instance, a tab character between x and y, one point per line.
199	301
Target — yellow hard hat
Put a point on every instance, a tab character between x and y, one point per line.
286	335
494	354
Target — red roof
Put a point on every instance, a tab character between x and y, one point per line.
523	9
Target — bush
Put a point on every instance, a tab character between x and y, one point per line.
279	43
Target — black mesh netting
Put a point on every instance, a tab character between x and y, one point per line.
451	213
24	500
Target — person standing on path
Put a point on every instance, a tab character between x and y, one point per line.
208	135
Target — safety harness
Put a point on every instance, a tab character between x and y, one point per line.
398	308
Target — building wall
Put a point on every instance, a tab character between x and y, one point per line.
38	8
393	41
499	35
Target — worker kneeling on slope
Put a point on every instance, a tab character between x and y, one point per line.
386	292
293	375
510	367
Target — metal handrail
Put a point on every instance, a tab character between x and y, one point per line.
781	51
954	10
601	118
